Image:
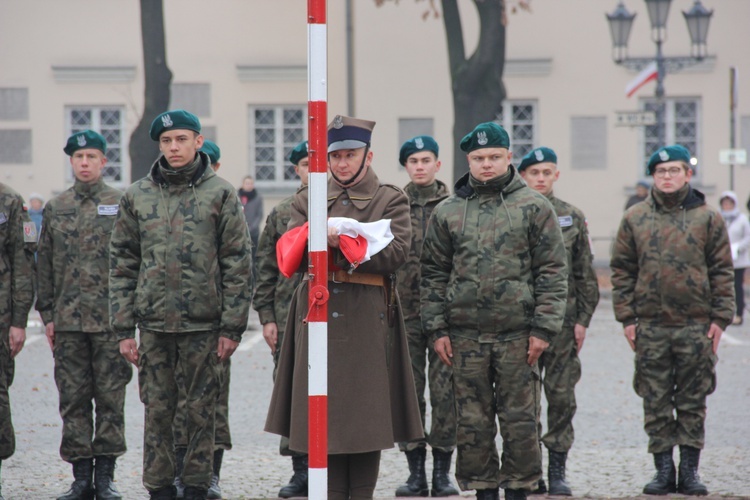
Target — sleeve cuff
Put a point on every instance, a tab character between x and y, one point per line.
584	320
628	322
19	322
542	335
237	337
266	316
125	334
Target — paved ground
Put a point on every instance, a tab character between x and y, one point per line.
608	460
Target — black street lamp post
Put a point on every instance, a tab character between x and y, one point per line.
620	23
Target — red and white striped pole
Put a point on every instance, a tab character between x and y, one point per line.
317	352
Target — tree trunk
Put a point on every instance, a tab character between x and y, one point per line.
477	85
143	151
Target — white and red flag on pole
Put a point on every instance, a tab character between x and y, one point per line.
648	74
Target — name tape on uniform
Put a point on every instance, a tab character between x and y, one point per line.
108	209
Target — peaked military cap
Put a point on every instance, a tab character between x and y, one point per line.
88	139
212	150
174	120
416	145
675	152
345	132
538	155
298	153
485	135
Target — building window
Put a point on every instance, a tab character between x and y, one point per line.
15	146
193	97
274	131
108	121
519	119
682	117
14	104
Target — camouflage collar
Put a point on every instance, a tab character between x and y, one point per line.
201	174
421	195
88	190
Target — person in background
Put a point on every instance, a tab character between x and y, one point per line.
641	192
36	207
252	205
273	295
738	228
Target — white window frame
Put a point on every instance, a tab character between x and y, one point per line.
96	125
281	148
507	121
669	131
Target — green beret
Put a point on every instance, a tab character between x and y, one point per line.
212	150
416	145
88	139
298	153
538	155
485	135
175	119
675	152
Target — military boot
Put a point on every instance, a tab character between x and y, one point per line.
195	493
511	494
441	467
166	493
663	482
556	472
488	494
690	481
82	487
104	475
179	466
416	485
297	486
214	491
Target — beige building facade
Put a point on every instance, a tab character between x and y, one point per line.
240	65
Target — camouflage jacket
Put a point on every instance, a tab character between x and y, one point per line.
493	263
180	255
73	259
672	263
274	292
583	287
17	247
422	201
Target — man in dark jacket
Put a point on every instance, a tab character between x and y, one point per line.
494	288
673	291
419	155
180	271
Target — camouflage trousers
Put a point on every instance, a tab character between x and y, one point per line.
7	369
442	433
493	380
560	368
89	369
159	356
674	373
222	436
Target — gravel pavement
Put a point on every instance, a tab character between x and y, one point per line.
608	459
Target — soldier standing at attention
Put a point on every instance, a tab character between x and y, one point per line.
419	156
559	364
673	291
73	301
371	398
17	246
222	435
180	272
494	287
273	294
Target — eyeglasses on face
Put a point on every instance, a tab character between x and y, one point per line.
672	171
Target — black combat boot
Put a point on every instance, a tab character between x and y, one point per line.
83	485
195	493
690	481
488	494
166	493
297	486
511	494
441	481
416	485
179	466
556	471
663	482
104	475
214	491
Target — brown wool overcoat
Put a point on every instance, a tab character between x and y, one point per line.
372	402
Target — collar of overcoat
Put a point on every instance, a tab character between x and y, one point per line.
361	194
